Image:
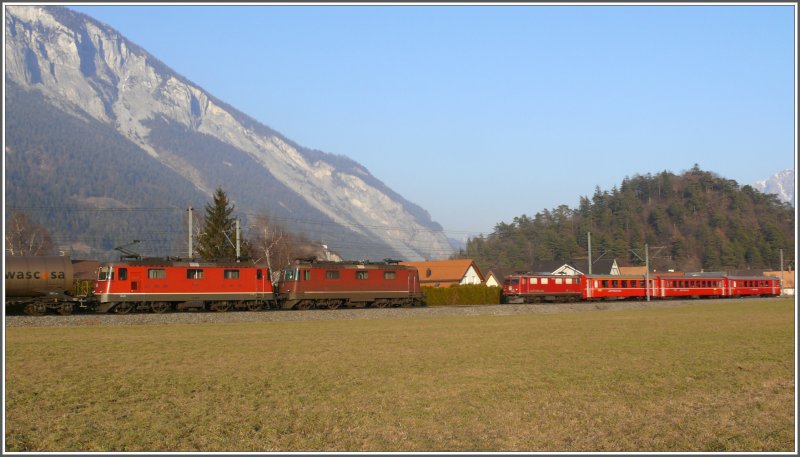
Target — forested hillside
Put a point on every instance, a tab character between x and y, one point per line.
693	221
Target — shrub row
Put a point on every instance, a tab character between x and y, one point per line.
462	295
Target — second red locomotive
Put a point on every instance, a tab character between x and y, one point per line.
330	285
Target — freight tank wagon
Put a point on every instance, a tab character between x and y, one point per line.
41	283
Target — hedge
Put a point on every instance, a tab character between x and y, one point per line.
462	295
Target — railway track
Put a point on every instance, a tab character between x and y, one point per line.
77	320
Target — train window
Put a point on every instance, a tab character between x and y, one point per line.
306	275
558	281
614	283
545	280
332	274
122	274
194	273
259	274
514	281
577	280
362	274
604	283
534	280
568	280
389	275
156	273
641	283
624	283
231	274
290	275
105	274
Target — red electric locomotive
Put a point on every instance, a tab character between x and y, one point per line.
329	285
160	284
535	288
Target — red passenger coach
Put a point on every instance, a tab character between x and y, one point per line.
535	288
158	285
694	286
311	284
744	286
614	287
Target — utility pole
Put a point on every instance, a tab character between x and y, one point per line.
646	266
190	232
781	272
589	237
647	272
238	249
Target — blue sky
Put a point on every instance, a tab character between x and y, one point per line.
481	113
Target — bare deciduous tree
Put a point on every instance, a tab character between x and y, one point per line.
26	238
271	242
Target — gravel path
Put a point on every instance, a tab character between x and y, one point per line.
289	315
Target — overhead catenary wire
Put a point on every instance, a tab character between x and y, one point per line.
165	238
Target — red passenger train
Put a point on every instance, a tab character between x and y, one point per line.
534	288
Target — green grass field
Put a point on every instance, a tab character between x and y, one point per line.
716	376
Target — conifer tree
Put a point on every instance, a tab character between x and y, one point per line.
215	241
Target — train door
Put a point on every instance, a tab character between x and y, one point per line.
123	280
412	282
261	275
136	280
589	282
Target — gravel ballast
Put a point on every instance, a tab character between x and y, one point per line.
339	314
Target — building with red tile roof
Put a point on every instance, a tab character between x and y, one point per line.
446	273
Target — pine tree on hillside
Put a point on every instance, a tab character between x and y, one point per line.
215	239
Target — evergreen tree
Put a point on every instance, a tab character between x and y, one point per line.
216	239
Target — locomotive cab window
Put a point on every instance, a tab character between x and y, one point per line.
156	273
232	274
290	275
105	274
193	273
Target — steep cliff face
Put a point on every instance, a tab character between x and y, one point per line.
90	71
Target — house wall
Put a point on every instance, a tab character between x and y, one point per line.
471	277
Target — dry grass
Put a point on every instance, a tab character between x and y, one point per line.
711	377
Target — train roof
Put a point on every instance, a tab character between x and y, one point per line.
176	262
386	264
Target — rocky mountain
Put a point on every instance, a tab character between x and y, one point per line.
94	121
780	184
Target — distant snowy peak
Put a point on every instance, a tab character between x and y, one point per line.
780	184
